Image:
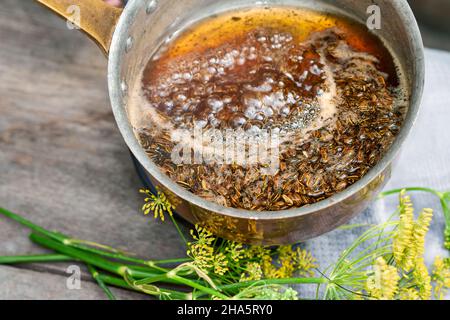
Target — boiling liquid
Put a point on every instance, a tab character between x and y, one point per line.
324	84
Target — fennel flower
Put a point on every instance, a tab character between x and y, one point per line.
441	276
403	246
157	204
422	279
421	227
219	264
235	251
305	262
383	283
409	294
252	272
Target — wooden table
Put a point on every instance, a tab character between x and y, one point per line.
63	163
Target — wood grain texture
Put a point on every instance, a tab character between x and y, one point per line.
63	163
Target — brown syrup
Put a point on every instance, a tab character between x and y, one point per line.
323	82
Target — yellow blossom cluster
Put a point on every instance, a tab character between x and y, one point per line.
201	250
409	294
219	264
157	204
259	262
409	239
441	276
404	235
253	272
408	249
284	262
235	251
383	283
422	279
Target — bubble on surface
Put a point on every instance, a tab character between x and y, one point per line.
265	81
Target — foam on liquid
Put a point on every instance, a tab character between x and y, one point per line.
255	69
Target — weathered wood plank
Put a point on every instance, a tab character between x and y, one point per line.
63	163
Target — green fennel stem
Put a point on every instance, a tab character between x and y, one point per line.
234	288
31	225
197	286
116	282
172	261
287	281
109	254
114	267
77	243
180	233
35	258
100	282
412	189
120	283
99	262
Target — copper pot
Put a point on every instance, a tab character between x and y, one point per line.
130	37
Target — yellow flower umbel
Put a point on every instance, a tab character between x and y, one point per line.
422	279
383	283
220	264
286	259
202	236
403	246
284	262
252	272
157	204
201	250
409	294
235	251
270	271
409	240
257	252
409	246
202	255
421	227
441	276
305	262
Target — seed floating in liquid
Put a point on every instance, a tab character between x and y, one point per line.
324	83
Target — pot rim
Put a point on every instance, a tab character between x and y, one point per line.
120	114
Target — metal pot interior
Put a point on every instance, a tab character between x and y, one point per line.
146	24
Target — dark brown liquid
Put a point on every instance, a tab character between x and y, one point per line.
324	82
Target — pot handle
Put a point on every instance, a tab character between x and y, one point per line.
94	17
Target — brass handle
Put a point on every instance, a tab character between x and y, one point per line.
96	18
